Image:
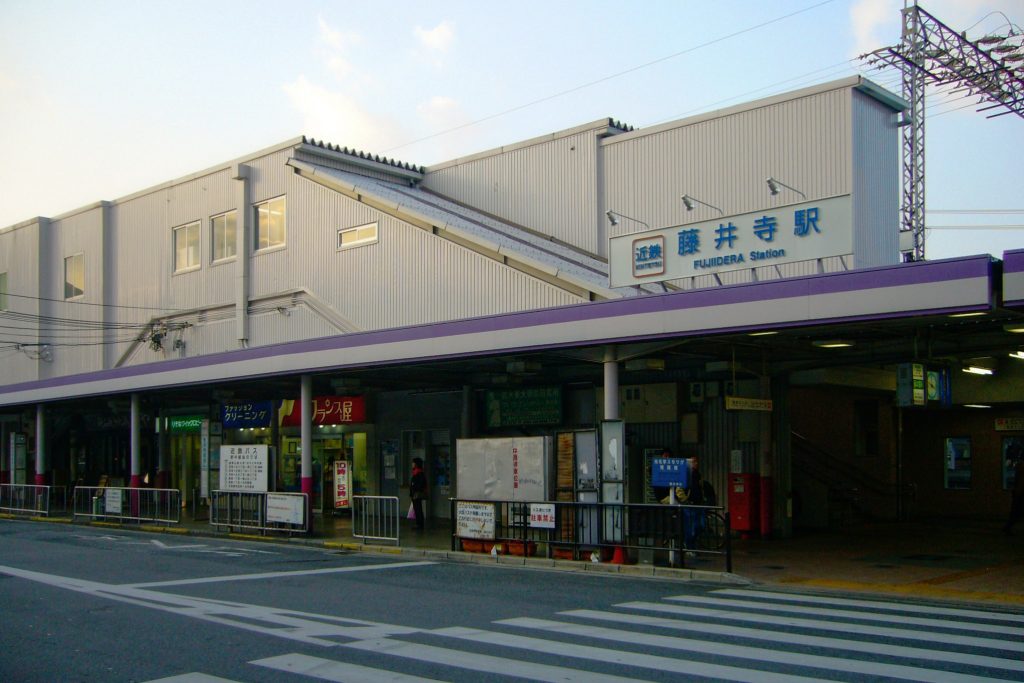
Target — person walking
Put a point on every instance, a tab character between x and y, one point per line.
418	491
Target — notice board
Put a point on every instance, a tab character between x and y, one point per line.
508	468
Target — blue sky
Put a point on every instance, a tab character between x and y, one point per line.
104	98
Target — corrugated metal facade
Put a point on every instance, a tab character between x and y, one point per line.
876	169
549	186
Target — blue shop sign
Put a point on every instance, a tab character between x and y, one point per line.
670	472
246	414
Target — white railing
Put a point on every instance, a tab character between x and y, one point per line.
32	498
125	504
260	511
376	518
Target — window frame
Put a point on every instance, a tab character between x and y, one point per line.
71	258
366	241
198	225
214	259
257	249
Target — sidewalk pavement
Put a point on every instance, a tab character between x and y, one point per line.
960	560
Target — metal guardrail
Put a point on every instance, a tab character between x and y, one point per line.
127	504
260	511
33	499
576	531
376	518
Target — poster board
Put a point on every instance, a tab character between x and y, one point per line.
508	468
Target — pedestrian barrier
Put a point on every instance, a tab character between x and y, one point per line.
127	504
33	499
260	511
602	532
376	518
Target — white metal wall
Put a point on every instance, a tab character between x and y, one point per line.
19	246
549	186
876	179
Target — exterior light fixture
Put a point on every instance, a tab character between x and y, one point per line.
1017	354
832	343
774	185
974	314
766	333
977	370
614	216
976	405
1016	328
689	202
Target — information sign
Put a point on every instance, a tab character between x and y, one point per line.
474	520
244	468
542	515
670	472
284	508
112	501
515	407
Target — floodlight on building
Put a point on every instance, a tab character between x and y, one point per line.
613	218
774	185
689	202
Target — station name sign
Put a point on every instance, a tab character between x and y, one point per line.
797	232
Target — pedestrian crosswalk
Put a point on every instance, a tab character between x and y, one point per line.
727	635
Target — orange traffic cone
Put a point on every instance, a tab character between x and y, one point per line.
620	556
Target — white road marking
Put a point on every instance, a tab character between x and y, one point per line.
874	604
850	614
931	637
193	678
228	550
331	670
282	574
871	648
609	656
477	662
758	654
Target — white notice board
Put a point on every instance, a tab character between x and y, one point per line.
244	468
285	508
474	520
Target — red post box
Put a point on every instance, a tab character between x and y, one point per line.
744	503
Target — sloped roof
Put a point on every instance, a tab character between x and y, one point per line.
513	244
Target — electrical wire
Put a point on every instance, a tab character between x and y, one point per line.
86	303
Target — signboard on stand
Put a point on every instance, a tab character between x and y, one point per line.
284	508
342	485
474	520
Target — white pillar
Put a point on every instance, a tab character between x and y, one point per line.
611	384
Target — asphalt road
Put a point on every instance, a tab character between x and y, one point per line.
85	604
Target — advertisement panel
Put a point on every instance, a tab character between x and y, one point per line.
342	485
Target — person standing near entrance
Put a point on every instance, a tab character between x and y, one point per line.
1016	454
418	490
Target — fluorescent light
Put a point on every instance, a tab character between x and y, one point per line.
832	343
767	333
975	314
975	370
1017	328
1017	354
976	405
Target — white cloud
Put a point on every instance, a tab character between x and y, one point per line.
875	24
336	39
439	38
340	118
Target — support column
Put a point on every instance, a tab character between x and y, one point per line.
306	411
163	453
40	445
136	460
611	384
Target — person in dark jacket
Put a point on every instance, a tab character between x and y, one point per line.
418	490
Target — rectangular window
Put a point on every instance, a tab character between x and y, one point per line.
355	237
3	291
74	276
186	247
269	231
224	232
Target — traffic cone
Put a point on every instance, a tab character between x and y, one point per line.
620	556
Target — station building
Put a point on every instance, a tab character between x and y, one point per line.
730	286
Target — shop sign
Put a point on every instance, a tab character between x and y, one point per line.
542	515
341	484
244	468
910	385
763	405
247	414
799	232
283	508
517	407
1010	424
474	520
187	424
327	410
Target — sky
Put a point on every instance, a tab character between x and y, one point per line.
101	99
